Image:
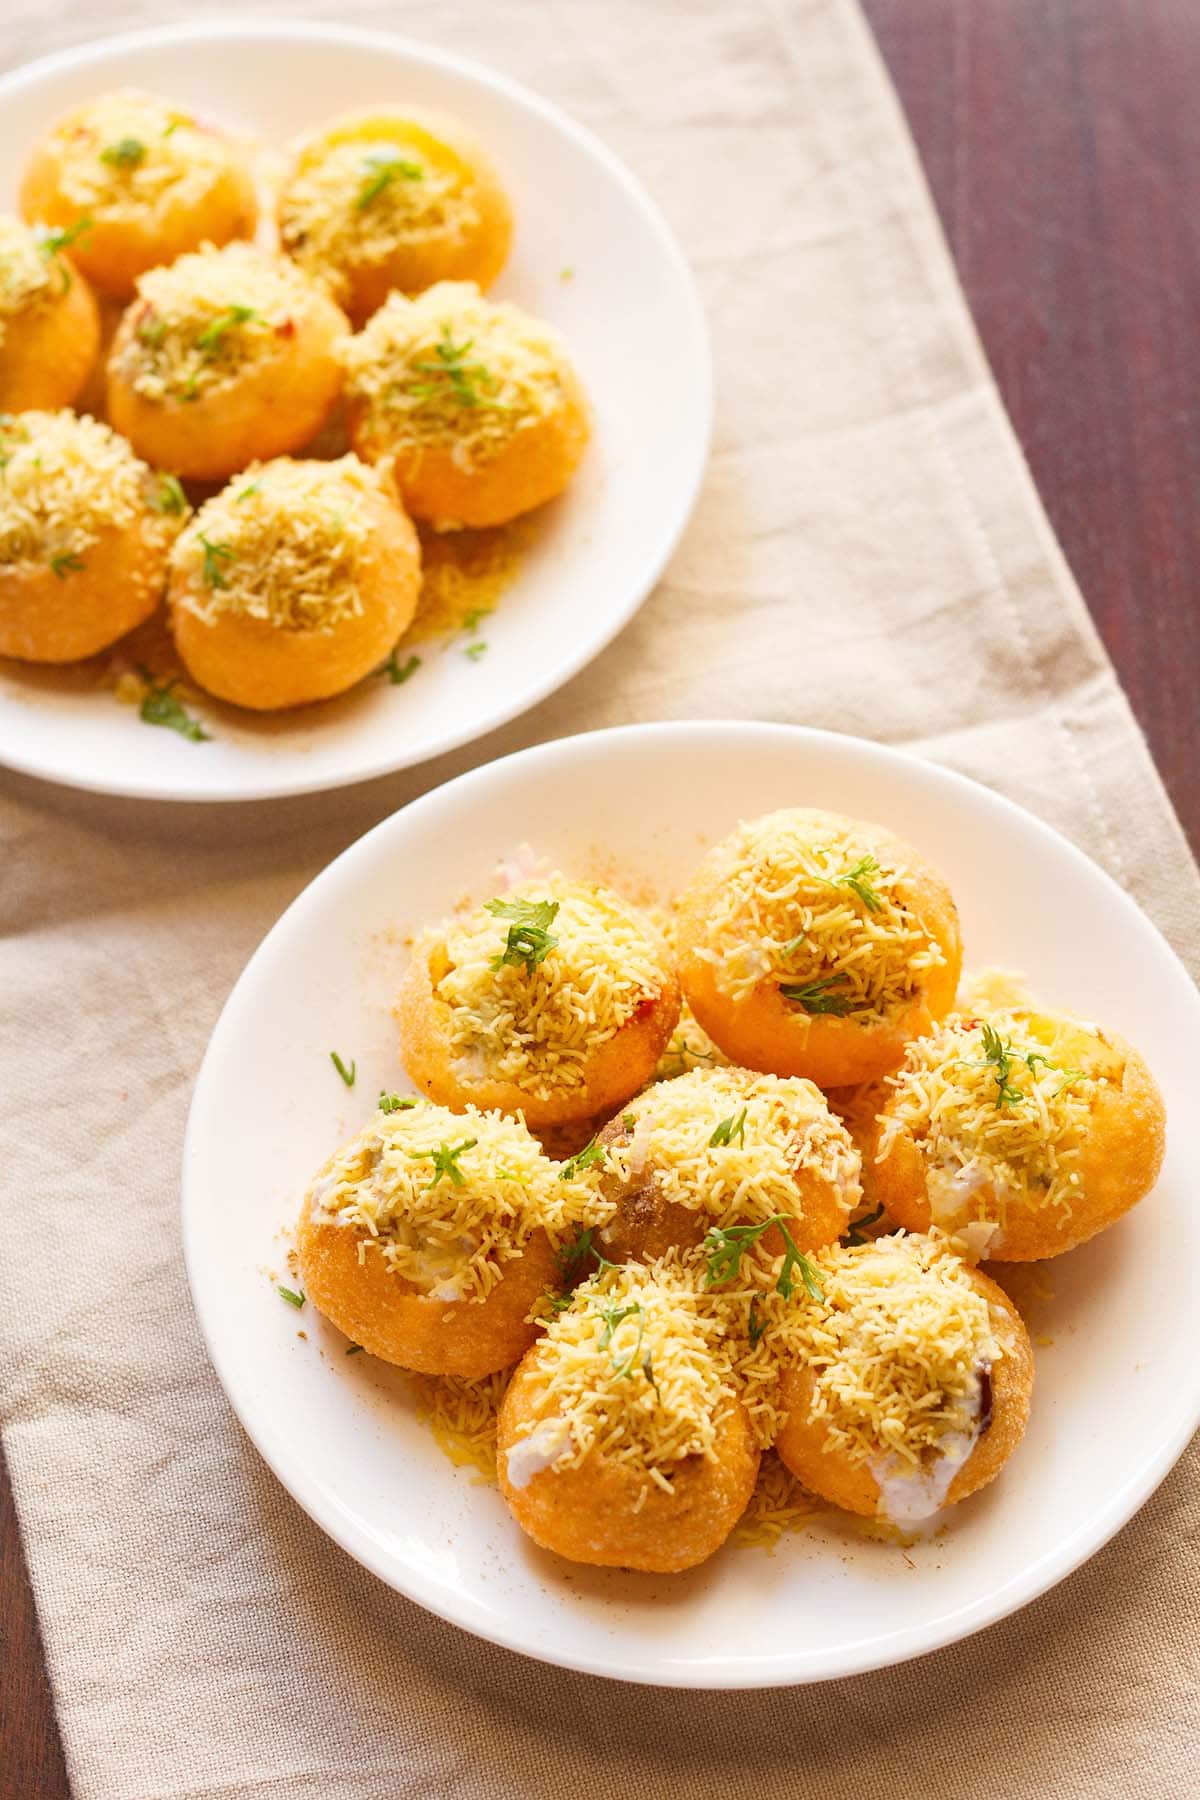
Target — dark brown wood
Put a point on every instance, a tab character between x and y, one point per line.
31	1759
1061	139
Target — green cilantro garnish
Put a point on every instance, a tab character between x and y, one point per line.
818	996
590	1157
471	621
384	166
729	1129
445	1162
214	556
390	1103
572	1257
292	1297
126	153
347	1074
67	564
793	944
215	332
724	1249
62	238
170	497
160	707
1000	1055
1068	1075
629	1121
757	1324
614	1316
856	880
469	383
858	1227
529	938
475	651
251	487
399	672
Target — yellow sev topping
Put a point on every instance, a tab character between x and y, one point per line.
538	1025
128	153
64	479
197	323
284	542
453	371
447	1198
29	275
805	903
631	1372
766	1128
896	1346
357	203
998	1107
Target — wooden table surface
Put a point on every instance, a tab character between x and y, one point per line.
1061	139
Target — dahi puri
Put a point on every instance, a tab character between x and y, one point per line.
294	582
554	999
376	201
1025	1131
85	531
476	403
227	356
725	1147
137	182
816	945
621	1441
431	1237
906	1385
49	323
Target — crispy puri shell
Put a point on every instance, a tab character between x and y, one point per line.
53	619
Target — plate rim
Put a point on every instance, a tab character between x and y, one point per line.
451	737
1053	1567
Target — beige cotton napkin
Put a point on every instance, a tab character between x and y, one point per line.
868	554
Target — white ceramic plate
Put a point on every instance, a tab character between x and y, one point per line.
1117	1393
629	311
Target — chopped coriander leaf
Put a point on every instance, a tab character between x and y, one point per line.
383	167
475	651
251	487
724	1249
469	383
354	1350
648	1372
399	672
62	238
170	497
67	564
629	1122
152	330
472	620
445	1162
590	1157
160	707
558	1303
756	1324
818	996
858	1227
215	332
572	1257
390	1103
347	1074
529	938
612	1317
1000	1055
292	1297
793	944
126	153
856	880
729	1129
214	556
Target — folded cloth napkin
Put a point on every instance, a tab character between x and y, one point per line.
869	554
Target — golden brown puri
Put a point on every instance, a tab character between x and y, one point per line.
825	1468
777	906
151	181
259	663
47	353
723	1147
219	392
475	403
453	1070
394	1320
1101	1159
84	538
606	1513
382	200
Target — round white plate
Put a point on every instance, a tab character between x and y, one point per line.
1118	1390
627	308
